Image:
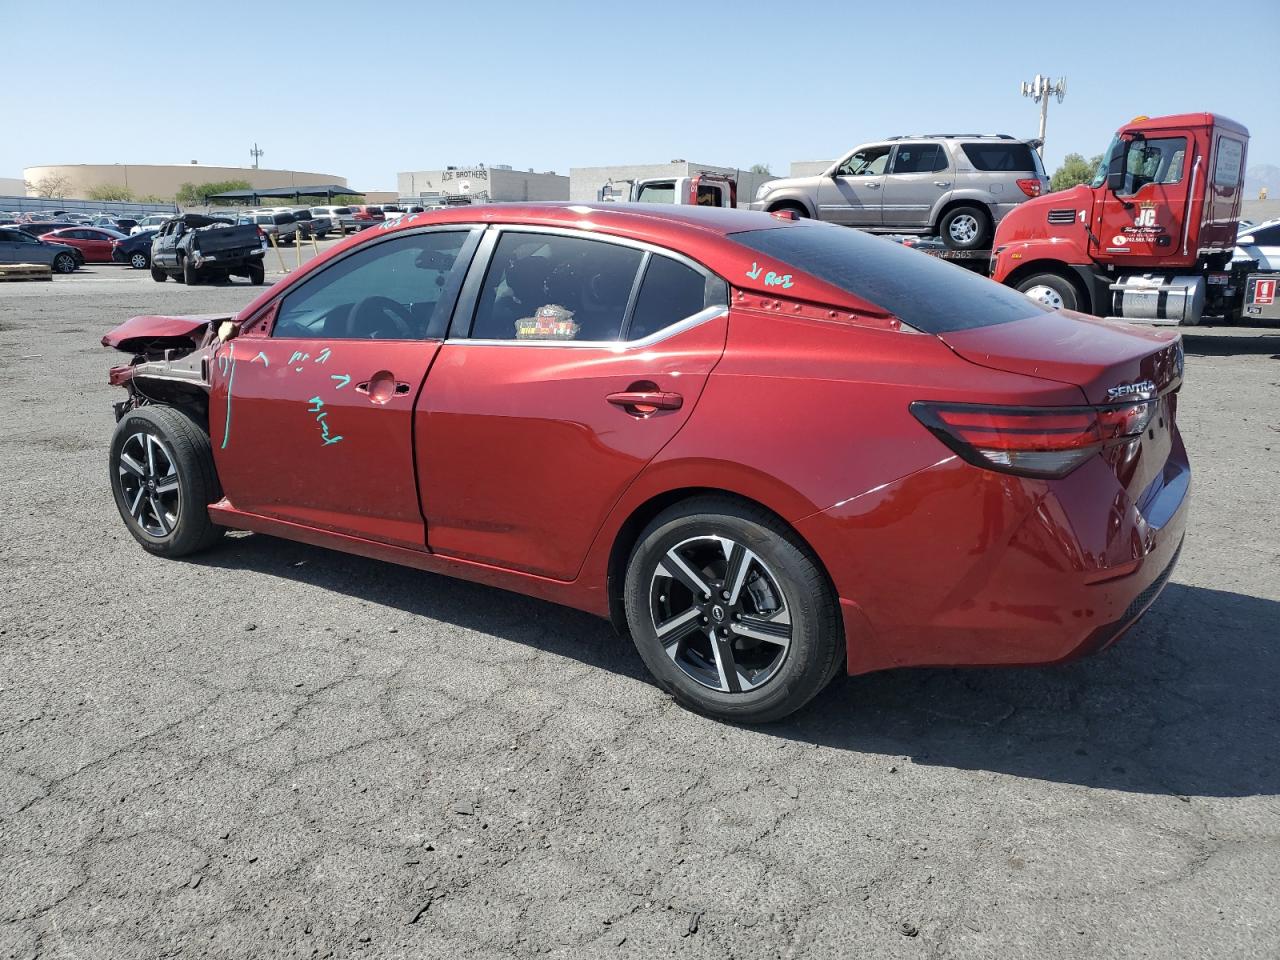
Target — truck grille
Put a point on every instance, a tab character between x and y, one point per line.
1062	217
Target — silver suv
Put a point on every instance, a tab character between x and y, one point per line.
957	186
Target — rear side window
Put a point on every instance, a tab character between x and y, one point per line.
342	211
1226	168
1000	156
919	158
670	292
921	291
708	195
550	287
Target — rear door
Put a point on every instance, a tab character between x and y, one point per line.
854	195
576	358
97	246
312	406
918	178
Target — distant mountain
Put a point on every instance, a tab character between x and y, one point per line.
1263	175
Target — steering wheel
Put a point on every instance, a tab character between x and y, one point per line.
370	314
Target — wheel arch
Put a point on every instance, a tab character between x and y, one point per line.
642	514
1069	272
962	201
791	202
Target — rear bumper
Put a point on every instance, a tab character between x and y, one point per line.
956	566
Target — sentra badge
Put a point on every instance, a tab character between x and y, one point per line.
1131	389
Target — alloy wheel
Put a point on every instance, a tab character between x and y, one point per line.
138	261
964	228
148	478
720	614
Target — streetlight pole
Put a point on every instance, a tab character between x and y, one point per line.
257	152
1040	90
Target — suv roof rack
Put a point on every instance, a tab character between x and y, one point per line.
953	136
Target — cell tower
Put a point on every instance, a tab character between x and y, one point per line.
1040	90
257	151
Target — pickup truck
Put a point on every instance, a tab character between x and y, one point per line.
192	248
702	189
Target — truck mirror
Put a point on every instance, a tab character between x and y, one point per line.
1115	180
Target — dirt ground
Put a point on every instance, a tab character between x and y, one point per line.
273	750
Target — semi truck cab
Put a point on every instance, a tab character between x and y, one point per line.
1151	238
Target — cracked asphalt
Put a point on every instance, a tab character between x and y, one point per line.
279	751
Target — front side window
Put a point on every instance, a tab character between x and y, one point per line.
662	192
867	162
386	291
551	287
919	158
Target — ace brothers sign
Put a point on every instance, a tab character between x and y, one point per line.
472	183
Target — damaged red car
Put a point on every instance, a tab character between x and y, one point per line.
769	450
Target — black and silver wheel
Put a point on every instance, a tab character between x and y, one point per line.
966	228
139	260
1050	289
163	478
730	613
64	263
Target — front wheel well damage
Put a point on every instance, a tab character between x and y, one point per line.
629	533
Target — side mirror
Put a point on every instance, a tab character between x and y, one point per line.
1115	180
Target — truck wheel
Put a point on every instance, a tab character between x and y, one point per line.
729	613
966	228
1051	289
158	275
257	274
163	478
190	275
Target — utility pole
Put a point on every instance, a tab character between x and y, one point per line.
1040	90
256	152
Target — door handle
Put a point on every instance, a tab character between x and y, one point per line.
873	186
382	386
644	402
942	183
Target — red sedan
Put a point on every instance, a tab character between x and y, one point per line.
93	242
767	449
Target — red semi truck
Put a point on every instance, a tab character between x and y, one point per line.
1150	239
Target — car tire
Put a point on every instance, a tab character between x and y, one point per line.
158	275
257	274
190	274
796	208
782	596
966	228
64	263
163	479
139	260
1052	290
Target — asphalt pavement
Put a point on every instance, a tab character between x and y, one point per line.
273	750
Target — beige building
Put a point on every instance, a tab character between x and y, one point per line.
161	180
500	184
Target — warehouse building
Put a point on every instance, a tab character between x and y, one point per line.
500	184
158	180
588	184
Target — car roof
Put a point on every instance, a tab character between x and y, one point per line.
1261	225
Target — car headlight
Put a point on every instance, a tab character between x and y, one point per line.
764	189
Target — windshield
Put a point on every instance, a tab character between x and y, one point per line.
922	291
1100	175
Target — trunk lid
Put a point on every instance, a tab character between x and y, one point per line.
1113	365
1109	362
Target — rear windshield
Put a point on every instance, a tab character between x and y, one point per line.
921	291
1013	157
342	211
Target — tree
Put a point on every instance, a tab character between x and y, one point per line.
1075	169
50	187
192	194
761	168
109	191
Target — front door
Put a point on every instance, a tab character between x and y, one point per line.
917	180
1142	223
853	195
584	358
311	413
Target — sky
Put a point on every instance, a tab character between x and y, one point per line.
367	90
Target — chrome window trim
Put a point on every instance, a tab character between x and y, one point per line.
615	346
469	296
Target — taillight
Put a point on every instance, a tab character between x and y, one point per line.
1031	441
1031	187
